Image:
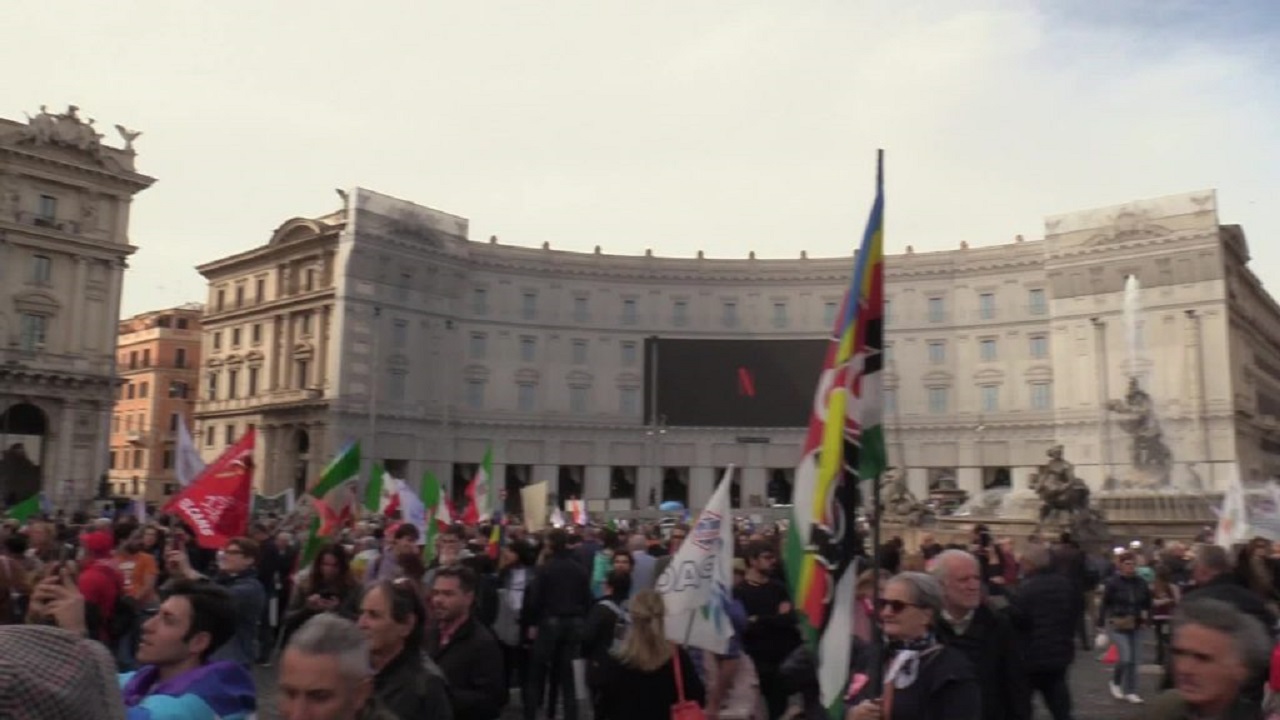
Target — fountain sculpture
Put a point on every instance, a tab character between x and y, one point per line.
1140	499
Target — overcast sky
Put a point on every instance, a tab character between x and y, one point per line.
729	126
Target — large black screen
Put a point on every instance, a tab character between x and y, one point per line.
731	383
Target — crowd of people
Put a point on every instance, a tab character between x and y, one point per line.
112	618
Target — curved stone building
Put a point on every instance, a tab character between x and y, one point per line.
384	323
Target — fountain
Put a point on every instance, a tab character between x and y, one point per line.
1143	499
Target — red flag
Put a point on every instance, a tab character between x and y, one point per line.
216	503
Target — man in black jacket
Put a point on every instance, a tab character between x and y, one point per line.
467	652
986	637
1047	608
555	608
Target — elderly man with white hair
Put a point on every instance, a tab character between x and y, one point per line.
325	673
984	636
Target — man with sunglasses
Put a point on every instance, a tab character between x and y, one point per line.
236	574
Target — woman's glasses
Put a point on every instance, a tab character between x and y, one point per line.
896	606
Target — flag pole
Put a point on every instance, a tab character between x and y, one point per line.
878	644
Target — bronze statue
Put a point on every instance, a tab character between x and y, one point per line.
1148	454
1065	499
898	501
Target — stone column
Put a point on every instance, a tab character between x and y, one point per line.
322	351
73	333
277	352
115	282
63	444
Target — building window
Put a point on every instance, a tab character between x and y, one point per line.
144	389
302	366
173	422
131	391
111	460
239	296
306	323
629	311
987	306
480	301
937	400
395	386
779	314
41	270
529	305
48	209
628	401
400	333
229	434
137	459
628	354
255	334
233	384
211	392
402	290
888	310
182	323
528	347
217	340
167	460
128	423
235	337
34	331
259	290
222	300
210	436
990	398
310	280
829	314
579	352
180	358
987	349
577	400
146	358
252	390
1039	347
937	311
178	389
164	321
1041	395
680	313
475	394
524	397
478	347
133	360
580	311
937	352
729	313
1036	301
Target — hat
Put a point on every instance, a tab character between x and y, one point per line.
47	672
97	544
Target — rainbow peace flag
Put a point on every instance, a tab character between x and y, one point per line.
845	444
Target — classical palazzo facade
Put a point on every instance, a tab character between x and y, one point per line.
64	238
384	323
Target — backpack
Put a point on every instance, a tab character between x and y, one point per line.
620	626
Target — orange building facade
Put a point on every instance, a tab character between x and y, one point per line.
158	361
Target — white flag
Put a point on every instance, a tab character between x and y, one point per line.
188	463
1233	523
696	585
411	507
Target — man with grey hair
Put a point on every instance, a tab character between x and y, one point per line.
984	636
1211	573
325	673
1047	606
1220	656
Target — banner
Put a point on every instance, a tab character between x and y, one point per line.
533	503
695	587
281	503
216	503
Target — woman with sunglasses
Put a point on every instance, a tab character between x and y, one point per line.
920	679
